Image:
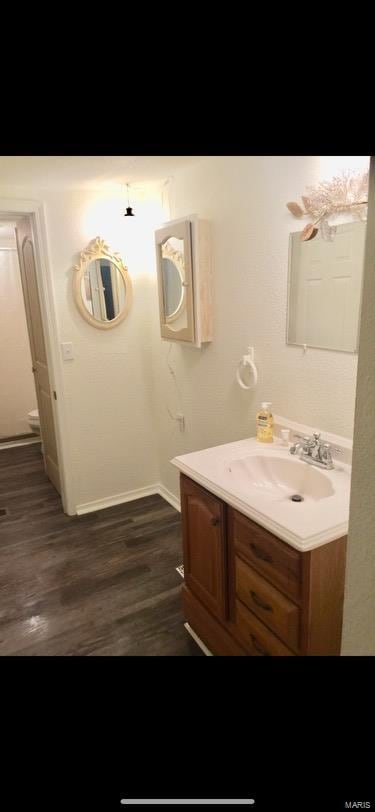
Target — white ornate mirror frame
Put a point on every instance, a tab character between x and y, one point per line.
177	258
98	249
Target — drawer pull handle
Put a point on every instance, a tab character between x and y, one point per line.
260	554
259	602
258	647
215	521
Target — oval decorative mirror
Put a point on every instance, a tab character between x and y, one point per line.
102	286
173	272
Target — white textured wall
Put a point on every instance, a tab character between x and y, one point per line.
107	387
359	605
245	197
17	383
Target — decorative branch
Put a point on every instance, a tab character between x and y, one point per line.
347	192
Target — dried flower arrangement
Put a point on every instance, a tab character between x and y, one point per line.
347	192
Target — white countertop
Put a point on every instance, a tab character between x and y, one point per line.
320	518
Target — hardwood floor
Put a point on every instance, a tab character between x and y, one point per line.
100	584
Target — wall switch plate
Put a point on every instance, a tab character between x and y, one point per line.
67	350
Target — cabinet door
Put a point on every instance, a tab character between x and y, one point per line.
175	281
203	528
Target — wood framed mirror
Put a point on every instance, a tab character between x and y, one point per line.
102	286
184	271
173	279
175	282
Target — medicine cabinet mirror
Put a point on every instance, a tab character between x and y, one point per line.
102	286
325	289
184	280
173	252
174	283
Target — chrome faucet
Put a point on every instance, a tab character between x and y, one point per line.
314	451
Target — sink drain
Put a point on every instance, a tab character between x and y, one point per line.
296	497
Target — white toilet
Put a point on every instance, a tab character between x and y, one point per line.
34	422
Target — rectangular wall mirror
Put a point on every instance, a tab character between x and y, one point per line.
325	288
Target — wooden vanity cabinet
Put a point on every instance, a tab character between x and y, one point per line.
247	593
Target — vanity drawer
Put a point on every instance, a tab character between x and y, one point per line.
257	639
273	608
279	563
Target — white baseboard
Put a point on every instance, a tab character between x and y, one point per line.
129	496
16	443
118	499
169	497
198	641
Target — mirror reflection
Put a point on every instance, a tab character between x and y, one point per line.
325	288
103	290
173	277
172	287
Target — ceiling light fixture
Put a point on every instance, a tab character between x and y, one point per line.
129	210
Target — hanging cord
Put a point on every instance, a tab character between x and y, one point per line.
166	197
179	418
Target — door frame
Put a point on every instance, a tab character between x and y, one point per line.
14	209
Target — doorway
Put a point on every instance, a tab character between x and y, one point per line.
18	403
24	336
23	222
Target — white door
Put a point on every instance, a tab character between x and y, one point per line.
26	256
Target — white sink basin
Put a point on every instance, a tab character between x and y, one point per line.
259	481
281	476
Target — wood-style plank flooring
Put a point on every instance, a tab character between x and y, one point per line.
100	584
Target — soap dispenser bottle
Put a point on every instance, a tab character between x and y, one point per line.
264	423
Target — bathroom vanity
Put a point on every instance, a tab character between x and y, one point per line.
264	575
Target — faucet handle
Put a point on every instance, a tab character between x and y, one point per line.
332	448
325	453
316	435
